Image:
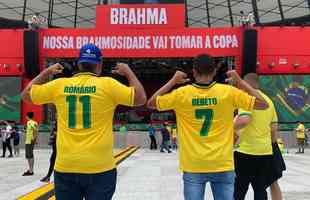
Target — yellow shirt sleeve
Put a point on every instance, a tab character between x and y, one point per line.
242	99
43	94
167	101
301	128
244	112
120	93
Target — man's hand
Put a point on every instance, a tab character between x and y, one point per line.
233	77
122	69
54	69
41	79
180	78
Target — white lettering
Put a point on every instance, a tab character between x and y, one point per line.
139	16
132	17
216	42
208	42
53	42
234	42
225	41
163	16
114	16
152	16
46	42
123	16
159	42
186	42
222	42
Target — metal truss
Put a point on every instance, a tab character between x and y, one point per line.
199	13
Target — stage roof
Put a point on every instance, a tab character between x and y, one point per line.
201	13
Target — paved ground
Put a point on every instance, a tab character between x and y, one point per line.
147	175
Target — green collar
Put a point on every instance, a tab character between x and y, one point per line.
204	85
85	73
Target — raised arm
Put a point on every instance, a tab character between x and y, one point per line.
178	78
41	79
260	103
124	70
241	121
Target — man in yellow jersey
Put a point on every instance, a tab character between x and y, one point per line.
31	137
85	104
174	138
300	135
204	113
254	156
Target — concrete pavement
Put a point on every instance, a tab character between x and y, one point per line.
147	175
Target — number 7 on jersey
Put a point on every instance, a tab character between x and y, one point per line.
207	115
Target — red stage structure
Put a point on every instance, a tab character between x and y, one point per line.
157	31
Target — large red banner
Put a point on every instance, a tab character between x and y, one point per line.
158	43
140	16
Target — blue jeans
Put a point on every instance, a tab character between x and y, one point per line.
89	186
222	185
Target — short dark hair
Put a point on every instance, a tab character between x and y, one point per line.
87	67
204	64
30	115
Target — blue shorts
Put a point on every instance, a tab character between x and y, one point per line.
70	186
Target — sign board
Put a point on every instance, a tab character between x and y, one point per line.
159	43
140	16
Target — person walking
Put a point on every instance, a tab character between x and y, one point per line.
6	139
52	143
204	112
85	103
300	135
16	140
31	139
152	132
174	138
123	131
165	139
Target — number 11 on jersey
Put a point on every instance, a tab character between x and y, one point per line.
86	112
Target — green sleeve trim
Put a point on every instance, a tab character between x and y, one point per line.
245	114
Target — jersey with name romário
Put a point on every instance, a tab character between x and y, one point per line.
85	107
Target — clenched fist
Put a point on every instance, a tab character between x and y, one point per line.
180	77
122	69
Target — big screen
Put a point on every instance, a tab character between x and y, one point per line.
290	95
10	98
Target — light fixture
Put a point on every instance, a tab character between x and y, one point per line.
295	65
6	66
19	67
272	64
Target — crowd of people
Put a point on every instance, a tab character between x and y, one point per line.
84	166
10	133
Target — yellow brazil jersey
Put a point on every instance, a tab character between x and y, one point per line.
300	131
31	127
169	128
85	107
280	144
174	133
205	124
255	138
